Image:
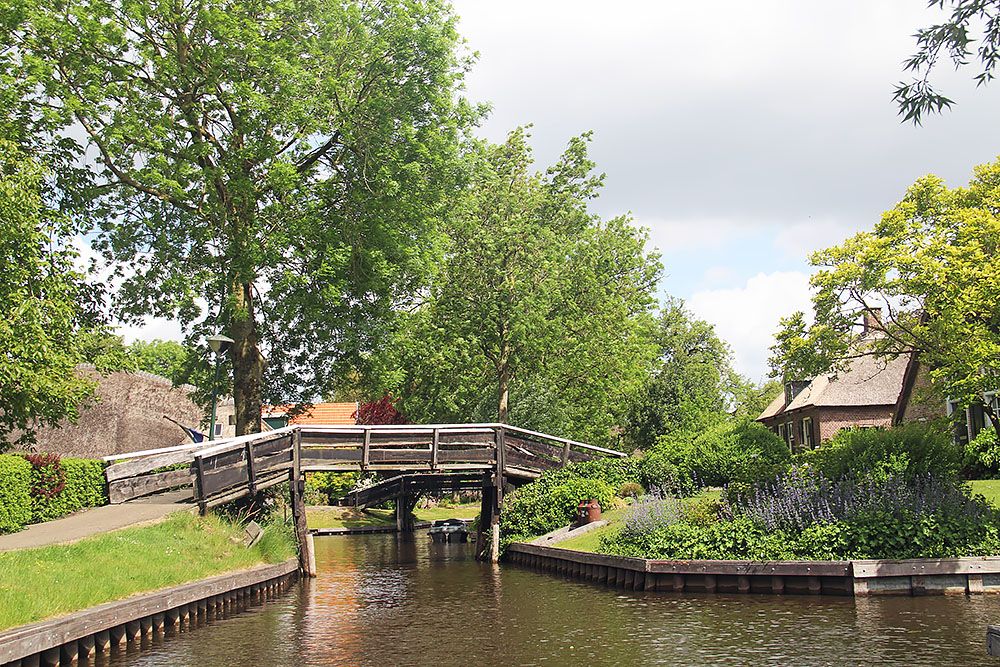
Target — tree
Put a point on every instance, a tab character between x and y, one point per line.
540	313
952	39
41	339
273	170
691	385
929	270
167	358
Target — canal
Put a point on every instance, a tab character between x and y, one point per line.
385	600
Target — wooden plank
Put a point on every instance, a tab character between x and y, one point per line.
275	462
29	640
366	448
519	459
225	459
218	480
402	455
135	487
273	447
251	473
920	567
139	466
331	454
446	456
199	482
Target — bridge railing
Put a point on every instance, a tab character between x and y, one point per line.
228	469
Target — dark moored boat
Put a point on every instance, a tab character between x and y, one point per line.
449	530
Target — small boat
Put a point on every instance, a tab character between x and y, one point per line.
449	530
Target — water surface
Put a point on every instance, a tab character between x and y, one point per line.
384	600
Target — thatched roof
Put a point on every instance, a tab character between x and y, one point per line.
867	381
126	415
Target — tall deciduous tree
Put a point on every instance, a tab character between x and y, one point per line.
281	161
930	266
40	330
691	385
540	313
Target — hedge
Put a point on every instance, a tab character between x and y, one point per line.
15	493
82	483
84	488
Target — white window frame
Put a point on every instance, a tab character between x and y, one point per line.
807	433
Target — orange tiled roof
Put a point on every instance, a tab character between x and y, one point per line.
319	413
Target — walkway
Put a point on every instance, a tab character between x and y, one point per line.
98	520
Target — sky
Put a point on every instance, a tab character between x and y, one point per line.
742	135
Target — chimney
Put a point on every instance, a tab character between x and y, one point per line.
872	321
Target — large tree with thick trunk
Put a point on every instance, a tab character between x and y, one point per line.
271	169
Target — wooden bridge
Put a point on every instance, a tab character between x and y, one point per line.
419	459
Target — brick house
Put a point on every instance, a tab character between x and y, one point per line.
866	394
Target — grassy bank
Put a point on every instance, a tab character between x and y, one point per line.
40	583
350	517
988	488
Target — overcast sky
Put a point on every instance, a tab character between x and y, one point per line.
743	135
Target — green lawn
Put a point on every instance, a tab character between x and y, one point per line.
36	584
990	488
350	517
591	540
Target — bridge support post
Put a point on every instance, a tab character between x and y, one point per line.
488	534
297	487
405	503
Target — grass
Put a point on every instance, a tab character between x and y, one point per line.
36	584
989	488
590	541
350	517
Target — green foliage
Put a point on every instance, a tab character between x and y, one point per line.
691	384
929	265
630	490
732	451
540	313
15	493
40	297
287	161
83	486
325	488
911	450
166	358
550	501
981	458
951	38
891	536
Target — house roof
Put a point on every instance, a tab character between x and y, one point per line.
319	413
867	380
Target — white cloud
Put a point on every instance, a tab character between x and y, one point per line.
695	234
747	316
800	239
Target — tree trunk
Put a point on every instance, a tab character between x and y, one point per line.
503	391
248	362
994	418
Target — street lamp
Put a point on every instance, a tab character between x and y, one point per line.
220	345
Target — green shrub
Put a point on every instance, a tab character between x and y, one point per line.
82	482
326	488
15	493
910	450
732	451
630	490
981	458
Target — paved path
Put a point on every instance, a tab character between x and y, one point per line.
98	520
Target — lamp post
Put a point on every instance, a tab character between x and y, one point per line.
220	345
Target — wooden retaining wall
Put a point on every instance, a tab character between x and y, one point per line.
82	635
860	577
993	640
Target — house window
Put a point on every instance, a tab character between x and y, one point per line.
807	433
218	430
960	422
790	435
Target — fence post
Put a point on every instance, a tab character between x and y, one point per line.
297	490
251	473
565	454
199	484
365	446
435	443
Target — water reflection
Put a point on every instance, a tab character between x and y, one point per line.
391	600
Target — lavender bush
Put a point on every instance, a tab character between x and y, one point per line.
799	499
655	510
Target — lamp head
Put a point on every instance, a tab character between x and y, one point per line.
220	344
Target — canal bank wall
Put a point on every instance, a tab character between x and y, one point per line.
82	635
949	576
